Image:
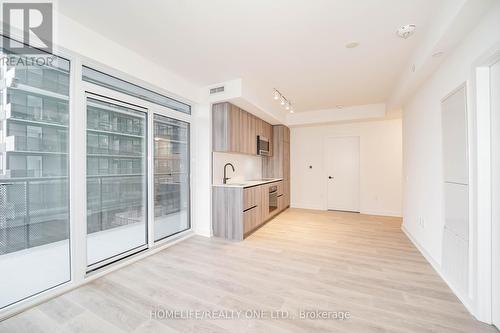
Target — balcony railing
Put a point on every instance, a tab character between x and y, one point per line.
30	217
38	145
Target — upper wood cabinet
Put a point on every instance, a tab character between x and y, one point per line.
278	165
235	130
225	128
266	131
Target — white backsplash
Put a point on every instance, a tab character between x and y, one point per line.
247	167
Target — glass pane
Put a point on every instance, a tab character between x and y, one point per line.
34	203
116	180
171	176
111	82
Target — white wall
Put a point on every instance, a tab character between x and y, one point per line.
422	162
380	169
247	167
77	38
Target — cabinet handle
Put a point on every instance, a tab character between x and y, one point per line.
330	177
245	210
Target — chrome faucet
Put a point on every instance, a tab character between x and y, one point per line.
224	181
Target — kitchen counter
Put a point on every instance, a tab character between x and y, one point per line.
249	183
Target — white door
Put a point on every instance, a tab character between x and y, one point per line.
495	113
342	172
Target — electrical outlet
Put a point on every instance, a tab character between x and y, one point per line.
421	222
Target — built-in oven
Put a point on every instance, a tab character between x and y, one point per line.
273	198
262	145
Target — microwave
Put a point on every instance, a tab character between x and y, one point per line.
262	145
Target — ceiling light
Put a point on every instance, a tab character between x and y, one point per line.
437	54
406	31
351	45
283	100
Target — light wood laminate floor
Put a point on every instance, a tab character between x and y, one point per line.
301	260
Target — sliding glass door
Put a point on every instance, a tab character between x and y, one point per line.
171	176
116	180
34	189
135	181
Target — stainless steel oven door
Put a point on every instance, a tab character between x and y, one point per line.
273	198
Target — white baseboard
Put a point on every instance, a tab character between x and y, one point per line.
464	299
366	212
305	206
381	213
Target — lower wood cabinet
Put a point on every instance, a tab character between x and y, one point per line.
237	211
286	192
281	202
252	197
265	203
251	219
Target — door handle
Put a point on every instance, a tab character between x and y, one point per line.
330	177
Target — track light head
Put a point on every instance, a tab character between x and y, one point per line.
276	95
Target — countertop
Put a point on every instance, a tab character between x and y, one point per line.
249	183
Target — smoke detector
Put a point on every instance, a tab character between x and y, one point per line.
351	45
406	31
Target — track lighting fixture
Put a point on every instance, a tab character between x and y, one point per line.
276	95
283	100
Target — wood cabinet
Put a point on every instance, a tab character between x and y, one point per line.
251	220
247	133
278	165
237	211
235	131
225	128
252	134
265	203
252	197
286	192
266	130
281	202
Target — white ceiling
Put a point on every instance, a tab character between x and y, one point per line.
296	46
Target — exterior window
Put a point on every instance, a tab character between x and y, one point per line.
171	176
34	190
116	180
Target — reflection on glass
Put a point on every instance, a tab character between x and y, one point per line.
116	180
171	176
34	207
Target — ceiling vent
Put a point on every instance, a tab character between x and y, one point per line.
216	90
406	31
